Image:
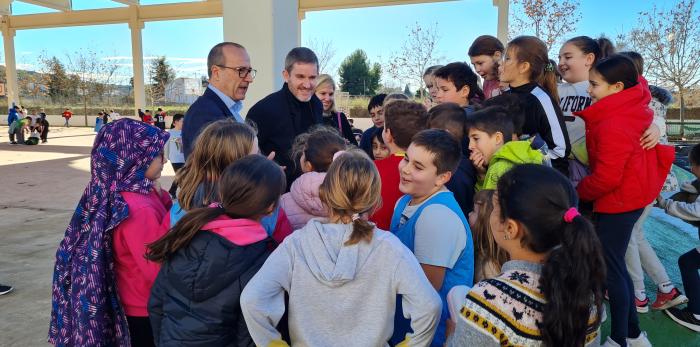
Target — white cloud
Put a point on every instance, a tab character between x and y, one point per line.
179	60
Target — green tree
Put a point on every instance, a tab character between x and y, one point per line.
161	74
356	76
407	91
57	81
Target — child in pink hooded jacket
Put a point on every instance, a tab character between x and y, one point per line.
316	150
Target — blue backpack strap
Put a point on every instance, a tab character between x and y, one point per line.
396	217
269	222
176	213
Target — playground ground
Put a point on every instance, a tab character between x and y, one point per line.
42	184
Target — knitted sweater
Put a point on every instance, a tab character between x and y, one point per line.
507	310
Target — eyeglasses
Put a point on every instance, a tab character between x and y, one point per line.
243	72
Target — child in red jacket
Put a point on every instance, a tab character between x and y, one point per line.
402	120
624	178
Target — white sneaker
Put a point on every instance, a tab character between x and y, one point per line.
639	341
610	343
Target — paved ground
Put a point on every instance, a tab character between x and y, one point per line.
40	186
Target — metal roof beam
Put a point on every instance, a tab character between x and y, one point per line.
146	13
61	5
320	5
127	2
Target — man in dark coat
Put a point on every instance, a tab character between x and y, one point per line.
283	115
230	73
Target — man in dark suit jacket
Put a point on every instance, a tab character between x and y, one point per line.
283	115
228	67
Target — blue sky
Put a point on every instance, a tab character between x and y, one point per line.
380	31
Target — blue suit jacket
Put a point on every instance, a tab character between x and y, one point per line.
206	109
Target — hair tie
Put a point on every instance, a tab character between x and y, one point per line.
215	205
338	154
355	216
549	67
571	214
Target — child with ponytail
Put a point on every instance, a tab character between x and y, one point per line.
210	255
316	150
485	53
526	68
550	292
640	256
219	144
341	274
624	178
576	57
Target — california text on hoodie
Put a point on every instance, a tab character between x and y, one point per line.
624	177
574	97
302	202
195	299
339	295
543	117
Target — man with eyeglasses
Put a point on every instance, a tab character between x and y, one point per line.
230	73
283	115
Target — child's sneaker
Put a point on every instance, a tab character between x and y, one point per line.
642	305
684	318
668	300
5	289
639	341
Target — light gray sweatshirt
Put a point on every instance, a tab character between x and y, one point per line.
683	210
339	295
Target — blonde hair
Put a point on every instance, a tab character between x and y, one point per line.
325	79
486	248
352	187
218	145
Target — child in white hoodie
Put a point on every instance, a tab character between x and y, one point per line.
342	274
316	150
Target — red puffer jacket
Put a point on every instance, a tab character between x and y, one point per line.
624	177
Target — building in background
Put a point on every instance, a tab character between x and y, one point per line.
183	90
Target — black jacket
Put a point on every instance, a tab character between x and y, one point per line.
206	109
195	298
336	119
279	121
462	184
543	117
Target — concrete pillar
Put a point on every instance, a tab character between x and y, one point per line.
137	59
11	89
502	6
268	29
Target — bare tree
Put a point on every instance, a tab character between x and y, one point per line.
86	68
549	20
417	53
325	51
669	41
110	77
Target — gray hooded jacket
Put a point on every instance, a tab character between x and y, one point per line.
339	295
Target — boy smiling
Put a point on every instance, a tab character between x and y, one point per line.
428	220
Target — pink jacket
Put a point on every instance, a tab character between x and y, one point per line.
240	232
302	202
135	274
